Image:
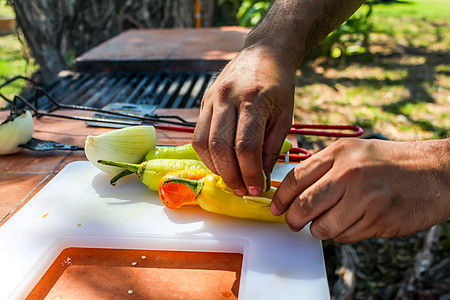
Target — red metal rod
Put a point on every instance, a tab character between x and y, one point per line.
296	129
299	129
174	128
293	154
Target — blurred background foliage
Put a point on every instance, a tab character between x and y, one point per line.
348	39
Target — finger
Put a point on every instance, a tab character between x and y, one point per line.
338	218
377	221
221	147
272	145
358	231
314	201
200	137
300	178
249	142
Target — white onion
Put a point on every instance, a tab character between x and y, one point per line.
128	144
14	132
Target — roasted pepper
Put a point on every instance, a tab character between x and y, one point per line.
150	172
182	188
188	152
180	152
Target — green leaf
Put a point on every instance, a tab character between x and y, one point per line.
336	52
355	49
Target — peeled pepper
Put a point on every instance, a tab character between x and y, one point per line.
150	172
207	190
180	152
188	152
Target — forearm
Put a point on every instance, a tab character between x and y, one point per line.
293	27
439	168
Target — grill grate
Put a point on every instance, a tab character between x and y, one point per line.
163	90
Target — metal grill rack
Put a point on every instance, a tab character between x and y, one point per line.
163	90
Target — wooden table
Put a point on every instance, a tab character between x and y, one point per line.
168	50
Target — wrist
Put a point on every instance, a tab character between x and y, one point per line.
285	52
439	151
421	176
273	70
281	33
286	58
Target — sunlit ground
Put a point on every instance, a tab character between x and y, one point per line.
400	89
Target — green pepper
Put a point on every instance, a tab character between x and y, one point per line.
150	172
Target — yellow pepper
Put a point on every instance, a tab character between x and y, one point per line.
179	152
181	188
150	172
188	152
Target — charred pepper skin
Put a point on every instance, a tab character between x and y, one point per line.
212	195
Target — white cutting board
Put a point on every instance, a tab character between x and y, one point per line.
79	208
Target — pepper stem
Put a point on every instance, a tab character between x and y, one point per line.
195	185
122	174
130	167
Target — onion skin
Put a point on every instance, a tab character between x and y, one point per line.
128	145
14	132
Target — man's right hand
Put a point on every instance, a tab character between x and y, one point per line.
358	189
245	117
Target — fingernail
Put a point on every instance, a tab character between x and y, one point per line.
274	210
294	229
240	192
254	190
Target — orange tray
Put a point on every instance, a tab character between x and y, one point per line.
93	273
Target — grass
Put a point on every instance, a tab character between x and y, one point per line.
13	63
6	11
415	9
401	89
12	59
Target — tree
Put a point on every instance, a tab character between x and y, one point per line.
56	31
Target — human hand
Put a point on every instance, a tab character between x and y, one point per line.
245	117
358	189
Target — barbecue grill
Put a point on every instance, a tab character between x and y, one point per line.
156	89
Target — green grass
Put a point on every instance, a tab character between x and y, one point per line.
402	91
6	11
12	63
418	9
12	60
